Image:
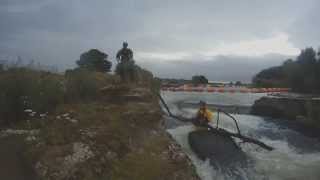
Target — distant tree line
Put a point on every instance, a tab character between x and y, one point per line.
301	74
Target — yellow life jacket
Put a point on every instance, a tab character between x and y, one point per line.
206	114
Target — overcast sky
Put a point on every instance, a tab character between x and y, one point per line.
162	33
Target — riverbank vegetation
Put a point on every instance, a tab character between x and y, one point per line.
25	90
89	124
300	74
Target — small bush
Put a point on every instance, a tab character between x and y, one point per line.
85	85
23	88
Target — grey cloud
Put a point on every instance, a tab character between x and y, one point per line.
55	32
226	68
305	30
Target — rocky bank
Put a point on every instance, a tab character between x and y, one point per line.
300	108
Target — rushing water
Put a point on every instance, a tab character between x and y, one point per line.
295	156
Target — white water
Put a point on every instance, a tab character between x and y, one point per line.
295	156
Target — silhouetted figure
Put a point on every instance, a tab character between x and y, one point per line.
126	67
125	54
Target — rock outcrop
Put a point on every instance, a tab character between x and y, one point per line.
302	109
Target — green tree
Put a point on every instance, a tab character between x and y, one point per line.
307	57
307	70
199	79
270	77
95	60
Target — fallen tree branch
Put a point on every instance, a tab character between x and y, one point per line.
243	138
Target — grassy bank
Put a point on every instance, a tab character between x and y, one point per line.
96	127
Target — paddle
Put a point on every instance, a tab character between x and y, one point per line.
220	130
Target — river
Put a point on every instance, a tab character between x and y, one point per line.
295	156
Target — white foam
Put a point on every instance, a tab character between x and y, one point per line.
285	163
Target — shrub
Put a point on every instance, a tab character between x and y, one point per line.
23	88
50	92
85	85
145	78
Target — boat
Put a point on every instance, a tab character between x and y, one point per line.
219	149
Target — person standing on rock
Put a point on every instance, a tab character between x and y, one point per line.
126	66
125	54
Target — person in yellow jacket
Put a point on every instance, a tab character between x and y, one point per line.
204	115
